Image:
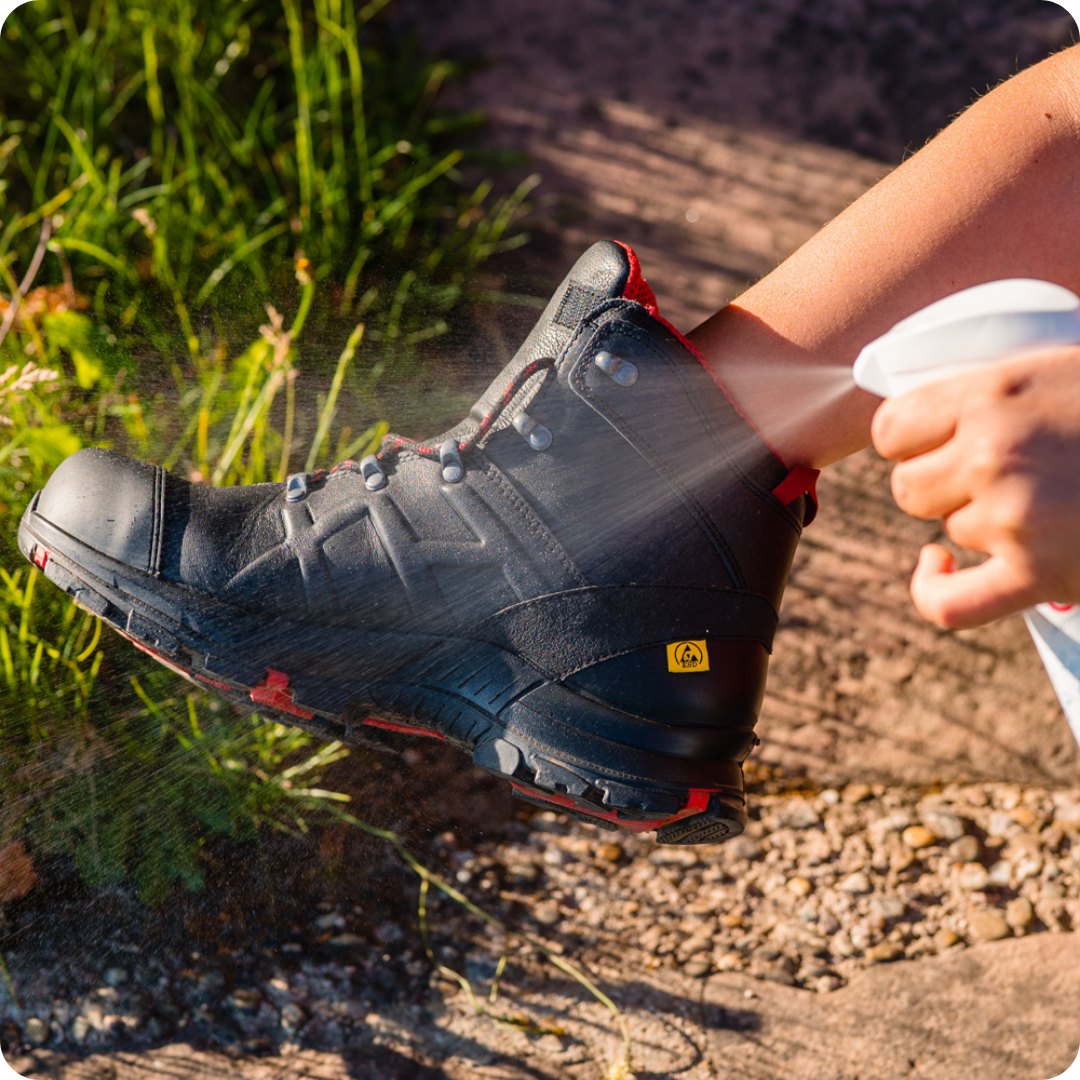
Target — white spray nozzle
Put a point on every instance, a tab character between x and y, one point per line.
972	328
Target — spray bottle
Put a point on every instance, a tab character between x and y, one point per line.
974	328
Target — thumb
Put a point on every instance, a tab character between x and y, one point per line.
957	599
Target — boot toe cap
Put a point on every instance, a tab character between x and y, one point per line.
110	503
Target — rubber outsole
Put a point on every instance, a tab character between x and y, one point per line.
551	744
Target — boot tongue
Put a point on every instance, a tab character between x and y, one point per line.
607	271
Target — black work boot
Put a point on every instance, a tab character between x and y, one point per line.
578	584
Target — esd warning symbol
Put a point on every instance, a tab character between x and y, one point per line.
685	656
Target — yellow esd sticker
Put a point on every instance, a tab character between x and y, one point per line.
688	656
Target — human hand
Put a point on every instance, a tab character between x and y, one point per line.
996	454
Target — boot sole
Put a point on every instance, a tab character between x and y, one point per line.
553	745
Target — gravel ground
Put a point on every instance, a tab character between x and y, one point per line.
822	884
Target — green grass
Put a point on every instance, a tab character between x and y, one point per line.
224	224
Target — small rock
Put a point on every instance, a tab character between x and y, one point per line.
1019	913
987	926
797	814
1024	816
944	824
901	860
1001	824
80	1029
884	953
731	919
35	1031
697	967
889	907
292	1018
966	849
674	856
779	975
610	852
1001	873
861	936
856	793
547	913
209	985
828	923
918	836
800	886
841	945
115	976
973	877
946	939
856	884
524	873
333	921
388	933
828	983
245	1001
347	940
743	847
729	961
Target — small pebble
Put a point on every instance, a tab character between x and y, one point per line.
292	1018
889	907
856	793
611	853
348	940
547	914
1001	873
1024	816
856	883
35	1031
698	966
966	849
973	877
674	856
800	886
987	926
946	939
116	976
884	952
247	1001
944	824
918	836
523	873
1019	913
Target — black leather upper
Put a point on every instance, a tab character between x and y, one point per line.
654	499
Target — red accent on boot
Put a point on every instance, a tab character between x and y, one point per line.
39	556
695	804
273	691
637	288
800	481
407	729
